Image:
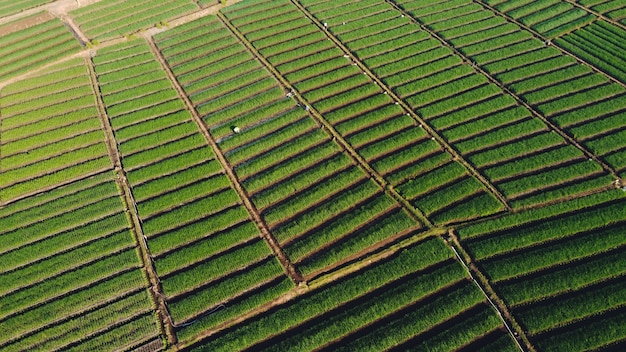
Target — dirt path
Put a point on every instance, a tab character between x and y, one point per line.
56	7
156	290
25	23
513	328
290	270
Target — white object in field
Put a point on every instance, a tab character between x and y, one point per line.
325	25
236	129
306	108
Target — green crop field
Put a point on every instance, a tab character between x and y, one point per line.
313	175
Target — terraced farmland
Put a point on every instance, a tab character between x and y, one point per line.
312	175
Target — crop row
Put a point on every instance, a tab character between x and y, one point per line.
70	270
493	130
379	130
550	18
567	263
530	216
41	43
199	234
110	19
419	283
50	135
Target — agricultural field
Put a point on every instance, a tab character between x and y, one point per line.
301	175
11	7
45	40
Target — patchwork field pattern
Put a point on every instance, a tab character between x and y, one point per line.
313	175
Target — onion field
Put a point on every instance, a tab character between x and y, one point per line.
200	238
43	41
112	18
11	7
312	175
51	133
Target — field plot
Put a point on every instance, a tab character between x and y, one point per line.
560	272
320	206
44	40
11	7
551	18
601	44
515	151
583	103
50	131
114	18
369	120
206	250
613	9
369	309
70	275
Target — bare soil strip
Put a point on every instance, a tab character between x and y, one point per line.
290	270
156	291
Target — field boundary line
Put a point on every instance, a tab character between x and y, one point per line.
164	318
513	328
456	156
372	174
546	40
518	99
271	241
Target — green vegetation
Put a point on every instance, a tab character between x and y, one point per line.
313	175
